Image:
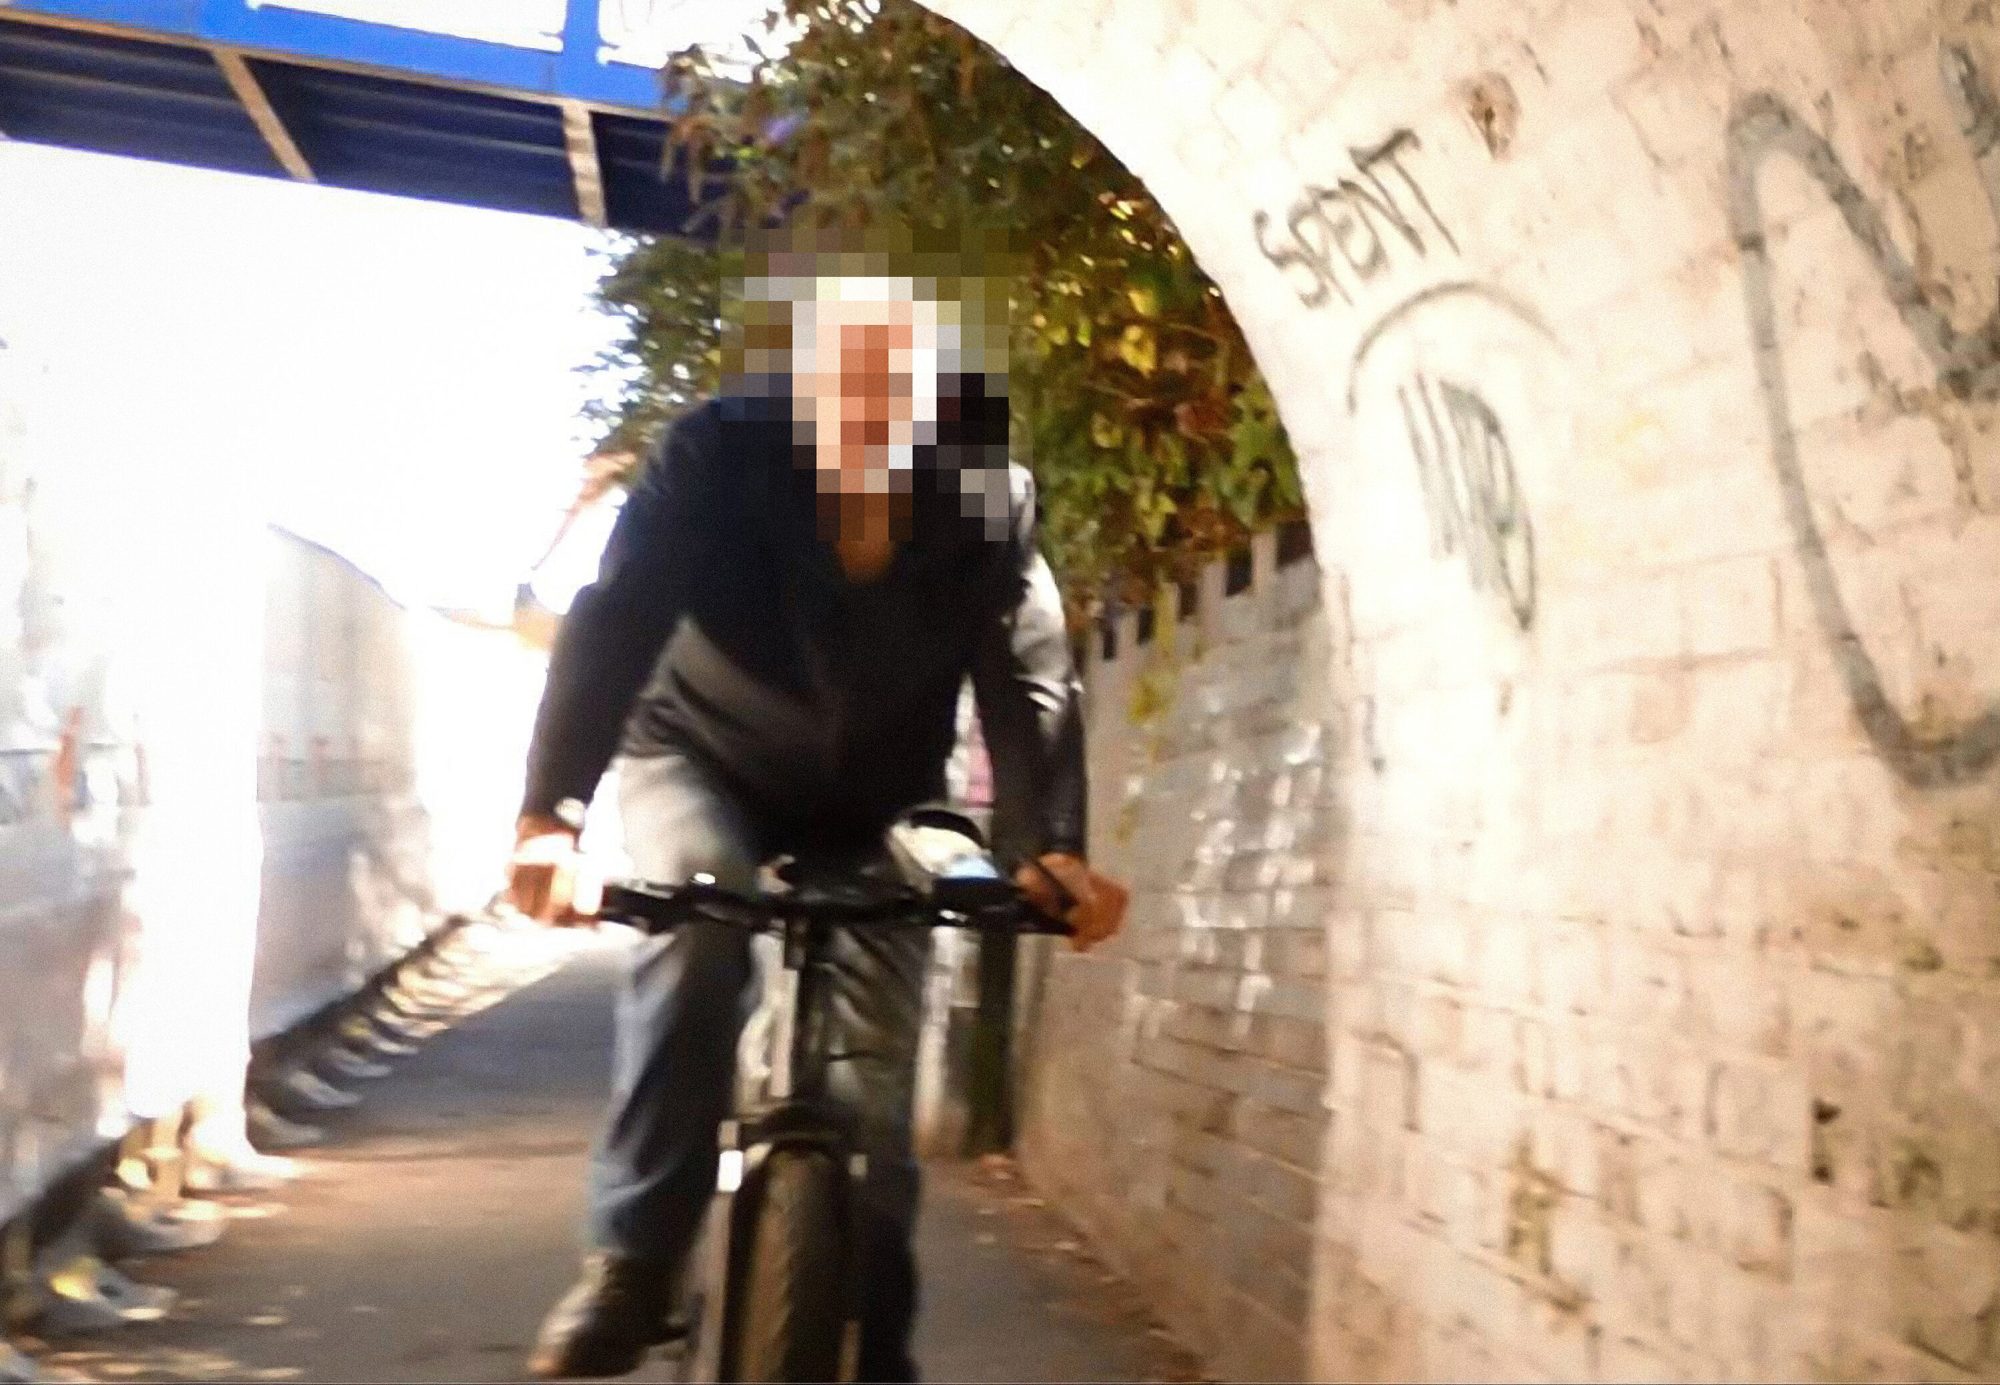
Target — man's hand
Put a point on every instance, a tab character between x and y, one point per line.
542	875
1099	911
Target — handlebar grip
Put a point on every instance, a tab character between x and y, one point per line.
654	908
1053	927
1065	901
637	907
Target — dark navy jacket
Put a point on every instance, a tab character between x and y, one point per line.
721	626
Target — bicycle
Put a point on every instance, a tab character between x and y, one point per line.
773	1292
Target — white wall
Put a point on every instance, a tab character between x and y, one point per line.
1642	354
389	772
282	779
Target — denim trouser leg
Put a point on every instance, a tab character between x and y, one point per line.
679	1020
877	995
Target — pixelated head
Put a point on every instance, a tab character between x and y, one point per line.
889	351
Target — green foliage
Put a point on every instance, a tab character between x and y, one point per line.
1153	437
668	293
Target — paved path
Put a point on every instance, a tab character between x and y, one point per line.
428	1237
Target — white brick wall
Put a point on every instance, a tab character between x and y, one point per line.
1208	1021
1677	822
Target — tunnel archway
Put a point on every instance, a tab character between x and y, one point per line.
1643	936
1642	360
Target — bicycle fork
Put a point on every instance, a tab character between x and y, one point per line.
785	1118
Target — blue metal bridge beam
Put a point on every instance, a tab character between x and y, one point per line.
576	72
348	102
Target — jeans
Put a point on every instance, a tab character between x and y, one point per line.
680	1016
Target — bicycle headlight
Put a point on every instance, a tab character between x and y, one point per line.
941	856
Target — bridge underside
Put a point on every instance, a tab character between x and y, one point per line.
346	104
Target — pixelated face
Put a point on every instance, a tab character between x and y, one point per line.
874	342
865	377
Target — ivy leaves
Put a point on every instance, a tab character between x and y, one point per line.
1154	440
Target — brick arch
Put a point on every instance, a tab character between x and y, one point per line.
1346	206
1642	357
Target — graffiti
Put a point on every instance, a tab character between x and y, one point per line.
287	778
1471	495
1459	445
1967	366
1347	236
1437	293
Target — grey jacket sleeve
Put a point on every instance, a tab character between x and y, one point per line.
615	629
1030	701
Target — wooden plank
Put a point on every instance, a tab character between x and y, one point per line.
580	141
257	102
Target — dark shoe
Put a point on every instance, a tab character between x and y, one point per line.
607	1322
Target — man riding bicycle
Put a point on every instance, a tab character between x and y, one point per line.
799	583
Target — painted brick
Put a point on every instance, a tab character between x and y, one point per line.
1760	1112
1708	870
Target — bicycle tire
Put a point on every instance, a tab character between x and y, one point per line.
790	1323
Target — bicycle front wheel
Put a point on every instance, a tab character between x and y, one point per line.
789	1322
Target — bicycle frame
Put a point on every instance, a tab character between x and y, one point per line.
795	1110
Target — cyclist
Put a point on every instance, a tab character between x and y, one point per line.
801	579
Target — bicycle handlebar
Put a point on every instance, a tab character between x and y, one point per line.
654	908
